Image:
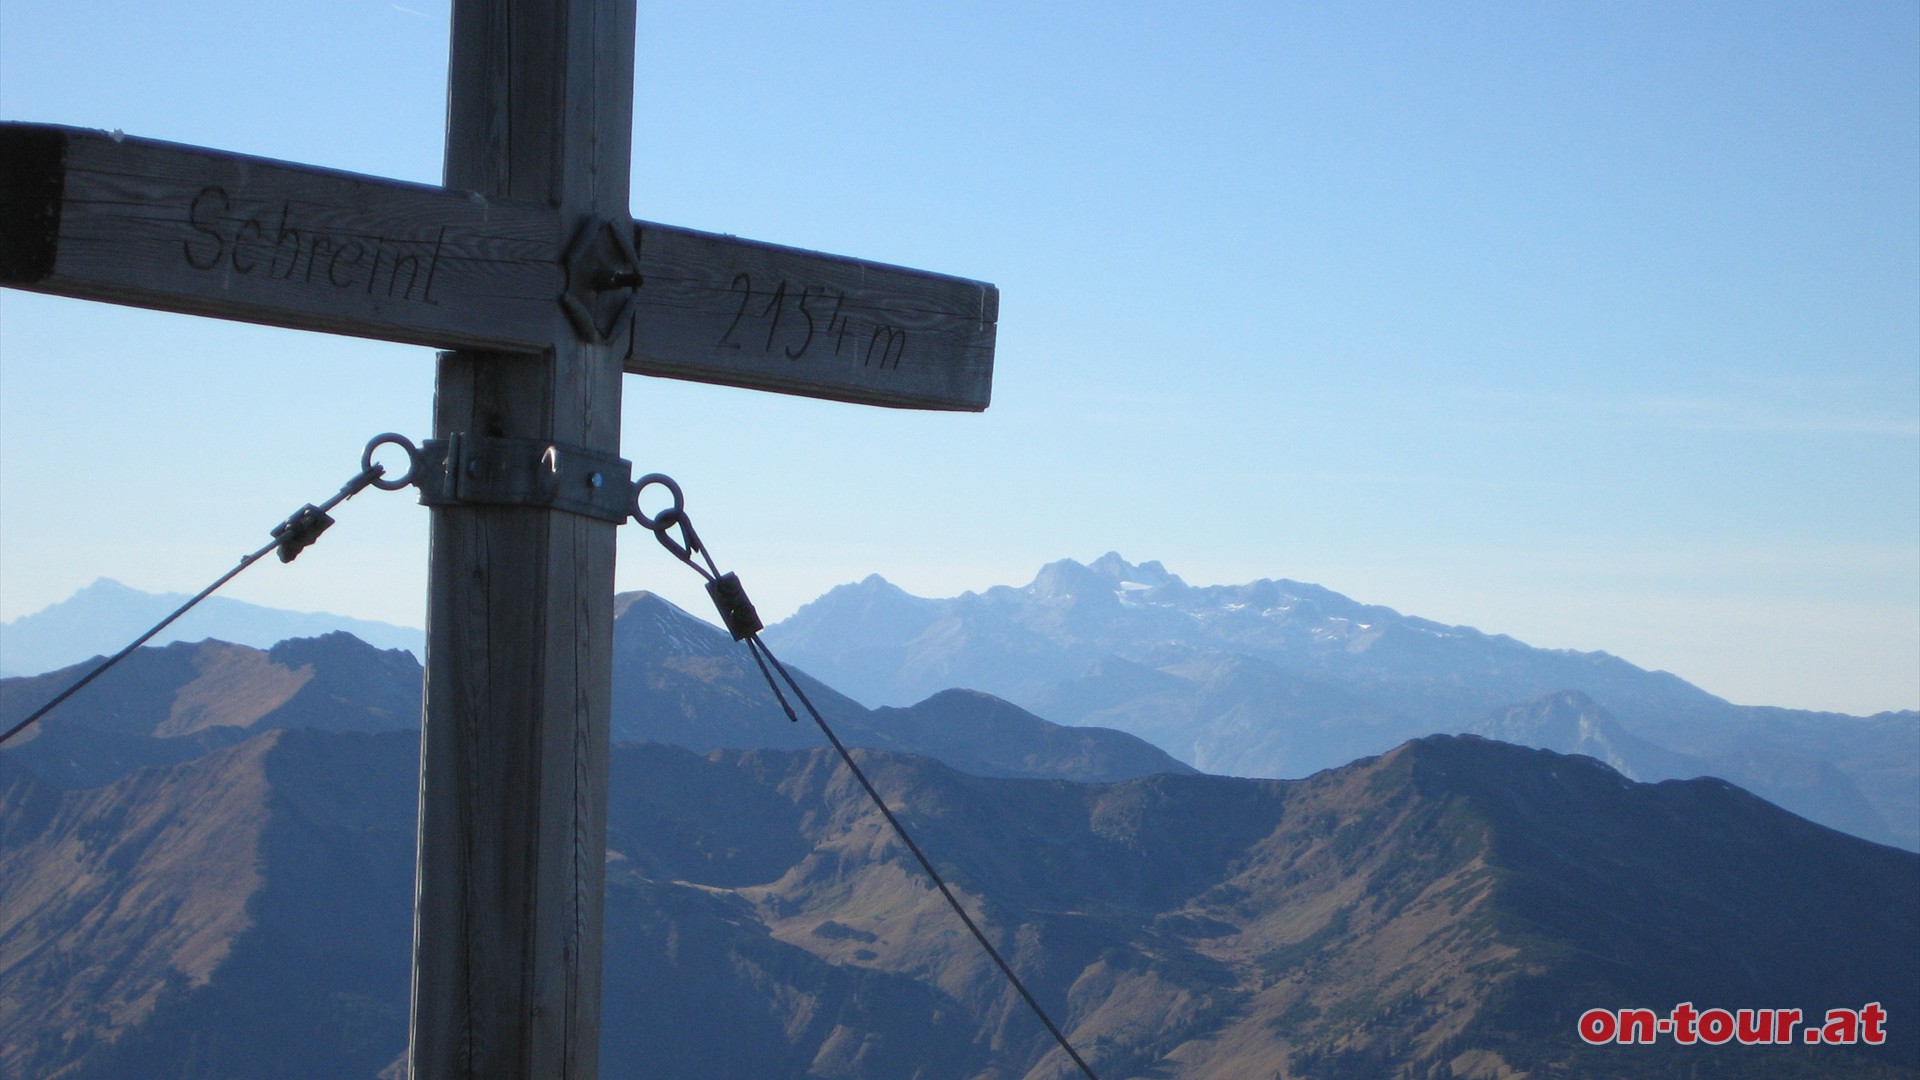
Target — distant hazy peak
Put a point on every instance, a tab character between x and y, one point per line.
644	601
1119	571
868	589
1066	577
107	586
648	617
1560	715
626	600
100	618
887	611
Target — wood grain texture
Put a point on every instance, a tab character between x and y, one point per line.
519	684
178	228
719	309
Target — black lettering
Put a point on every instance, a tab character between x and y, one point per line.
779	301
206	195
433	265
313	256
373	275
837	326
333	264
891	345
745	285
412	263
240	238
280	241
793	354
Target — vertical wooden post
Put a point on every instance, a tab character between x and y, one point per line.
509	892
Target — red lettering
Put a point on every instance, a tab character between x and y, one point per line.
1842	1027
1717	1027
1873	1021
1637	1025
1597	1026
1754	1026
1683	1017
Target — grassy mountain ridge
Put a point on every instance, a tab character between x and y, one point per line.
676	679
1445	909
165	704
241	914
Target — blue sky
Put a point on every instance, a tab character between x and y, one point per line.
1596	325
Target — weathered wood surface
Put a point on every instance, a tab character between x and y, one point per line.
180	228
520	621
720	309
159	225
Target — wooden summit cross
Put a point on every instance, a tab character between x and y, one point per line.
527	266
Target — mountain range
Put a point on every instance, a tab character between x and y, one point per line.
677	680
1279	678
100	619
1274	678
206	872
1447	909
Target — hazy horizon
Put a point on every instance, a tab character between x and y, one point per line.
1594	327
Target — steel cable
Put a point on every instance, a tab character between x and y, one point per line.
744	624
290	537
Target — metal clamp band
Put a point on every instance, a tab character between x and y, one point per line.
488	470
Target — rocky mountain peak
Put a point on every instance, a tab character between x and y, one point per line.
1109	574
1123	573
869	618
1067	579
651	623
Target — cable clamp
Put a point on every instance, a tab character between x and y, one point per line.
300	530
290	538
729	596
490	470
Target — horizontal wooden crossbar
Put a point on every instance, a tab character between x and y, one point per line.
177	228
158	225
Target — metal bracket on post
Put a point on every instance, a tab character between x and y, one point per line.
490	470
603	270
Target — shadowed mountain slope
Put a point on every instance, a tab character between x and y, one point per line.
1447	909
249	907
165	704
676	679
